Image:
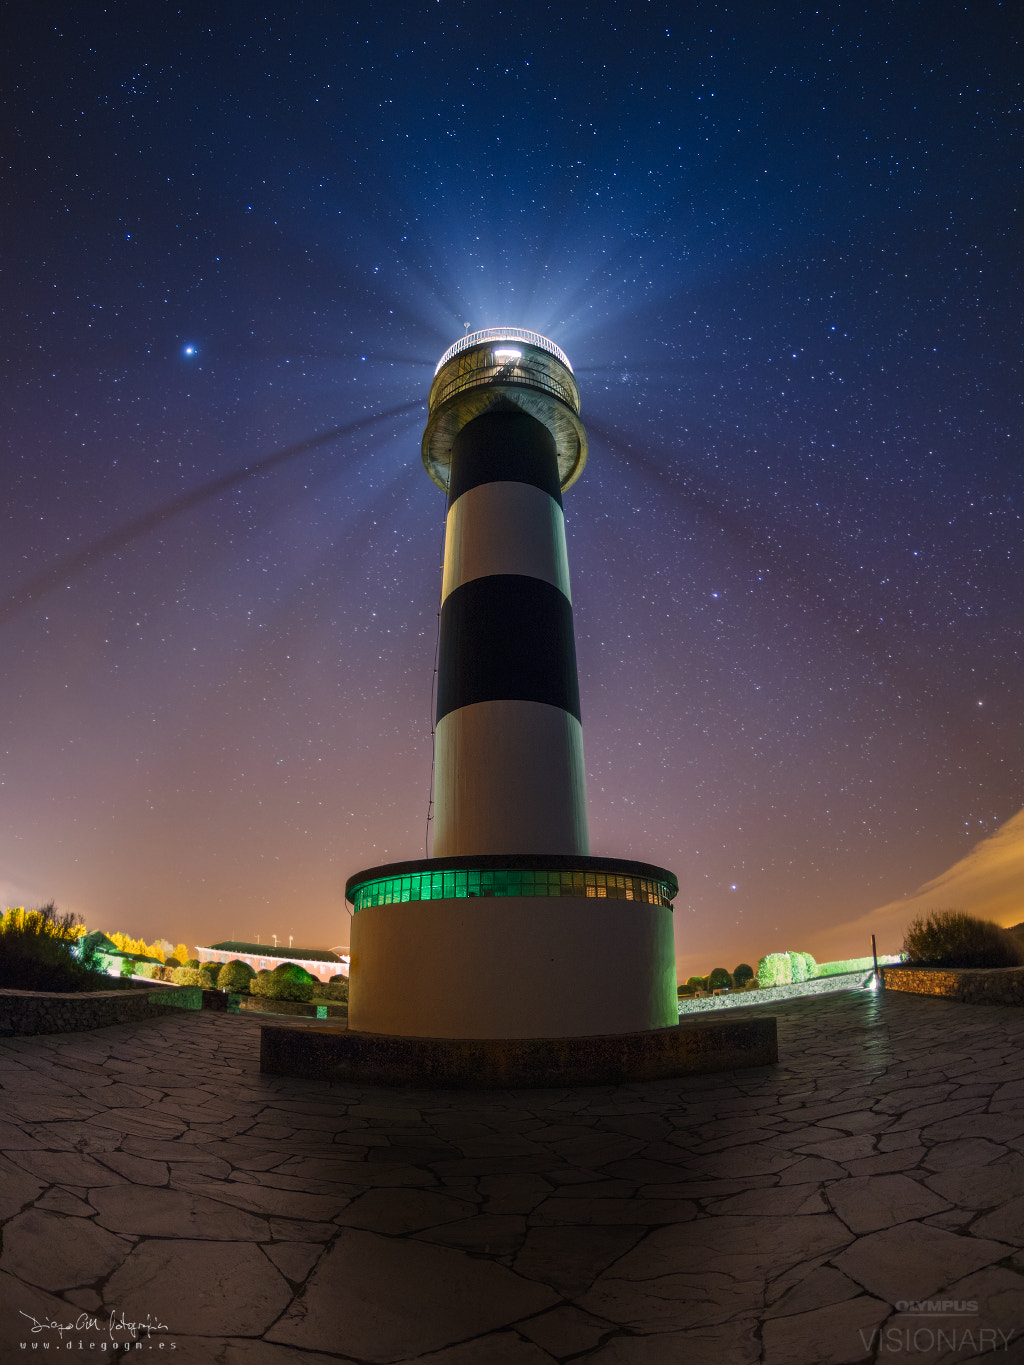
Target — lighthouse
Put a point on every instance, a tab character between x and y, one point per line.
512	929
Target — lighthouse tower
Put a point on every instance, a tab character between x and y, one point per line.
512	929
508	763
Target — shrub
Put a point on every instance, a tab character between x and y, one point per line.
40	951
235	976
697	983
719	979
848	964
159	971
193	976
951	938
797	967
262	983
287	982
743	974
775	969
192	962
336	989
172	962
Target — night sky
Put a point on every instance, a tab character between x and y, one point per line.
781	247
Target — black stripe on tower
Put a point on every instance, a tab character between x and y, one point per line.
504	447
507	638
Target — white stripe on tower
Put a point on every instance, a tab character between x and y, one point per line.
509	774
505	528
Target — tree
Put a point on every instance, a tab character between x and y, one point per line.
743	974
719	980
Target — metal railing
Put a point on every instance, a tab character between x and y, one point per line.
504	334
505	374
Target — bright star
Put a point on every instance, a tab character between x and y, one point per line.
190	350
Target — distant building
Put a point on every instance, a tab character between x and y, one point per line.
319	962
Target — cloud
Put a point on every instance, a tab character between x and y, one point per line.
988	883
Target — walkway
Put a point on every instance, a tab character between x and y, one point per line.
788	1215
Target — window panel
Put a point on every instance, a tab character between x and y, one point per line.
456	884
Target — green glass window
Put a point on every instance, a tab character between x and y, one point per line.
458	884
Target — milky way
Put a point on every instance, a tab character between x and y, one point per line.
781	249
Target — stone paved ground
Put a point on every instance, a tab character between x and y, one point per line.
778	1215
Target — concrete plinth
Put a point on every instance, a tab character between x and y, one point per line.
335	1054
513	967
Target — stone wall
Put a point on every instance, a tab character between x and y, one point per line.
971	985
769	995
315	1009
332	1053
25	1012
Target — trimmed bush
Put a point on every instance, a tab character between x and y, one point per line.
193	976
951	938
743	974
719	979
235	976
294	970
262	983
849	964
775	969
287	982
193	962
171	962
153	971
335	990
797	967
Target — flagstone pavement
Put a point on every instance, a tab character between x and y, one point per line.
862	1200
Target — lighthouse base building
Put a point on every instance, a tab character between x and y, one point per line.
507	947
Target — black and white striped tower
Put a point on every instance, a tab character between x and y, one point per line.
508	766
511	929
